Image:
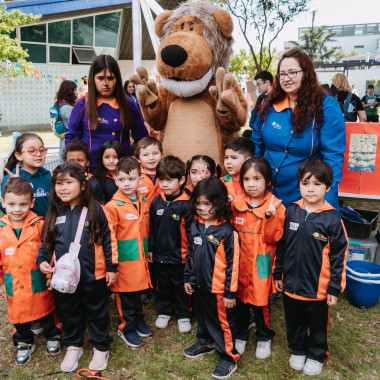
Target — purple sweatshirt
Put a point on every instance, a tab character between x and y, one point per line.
109	128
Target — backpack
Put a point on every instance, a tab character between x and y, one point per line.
66	277
347	115
56	122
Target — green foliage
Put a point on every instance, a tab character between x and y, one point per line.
343	54
242	64
9	47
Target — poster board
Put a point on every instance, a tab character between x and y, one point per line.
361	167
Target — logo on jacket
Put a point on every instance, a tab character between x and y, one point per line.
40	193
319	236
86	223
102	120
213	239
276	125
176	217
33	244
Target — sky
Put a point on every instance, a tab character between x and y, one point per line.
329	12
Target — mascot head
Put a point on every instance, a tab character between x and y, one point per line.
195	41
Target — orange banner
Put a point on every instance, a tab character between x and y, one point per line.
361	168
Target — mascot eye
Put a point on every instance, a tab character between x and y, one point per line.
191	27
183	26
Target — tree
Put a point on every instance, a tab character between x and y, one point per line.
242	64
10	49
261	21
343	54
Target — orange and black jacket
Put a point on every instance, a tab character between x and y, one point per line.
149	188
169	226
212	260
311	256
95	260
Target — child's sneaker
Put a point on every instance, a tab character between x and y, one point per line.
24	353
99	360
197	350
142	328
312	367
224	369
184	325
240	346
53	346
263	349
131	339
70	362
36	327
297	362
162	321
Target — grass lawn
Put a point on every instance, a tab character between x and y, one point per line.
354	339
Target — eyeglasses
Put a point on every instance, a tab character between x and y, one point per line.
34	151
290	74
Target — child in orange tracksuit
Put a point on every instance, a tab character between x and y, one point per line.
27	293
259	219
129	213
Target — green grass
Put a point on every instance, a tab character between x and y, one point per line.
354	341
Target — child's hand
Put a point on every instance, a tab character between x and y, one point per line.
229	304
48	284
331	300
45	268
279	285
272	209
150	257
111	278
17	173
188	289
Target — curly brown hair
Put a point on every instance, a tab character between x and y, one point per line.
66	92
309	98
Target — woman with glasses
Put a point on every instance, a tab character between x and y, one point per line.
299	121
105	113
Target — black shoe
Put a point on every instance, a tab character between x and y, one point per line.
197	350
224	369
142	328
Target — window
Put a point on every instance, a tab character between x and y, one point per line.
83	31
60	32
371	29
84	55
348	30
34	33
37	52
359	30
106	29
359	47
59	54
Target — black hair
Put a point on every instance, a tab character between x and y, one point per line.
242	145
171	167
212	167
261	165
264	76
56	207
127	164
126	83
18	186
321	170
371	86
216	192
101	171
12	160
76	145
144	143
247	133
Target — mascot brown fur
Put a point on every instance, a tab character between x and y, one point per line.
198	107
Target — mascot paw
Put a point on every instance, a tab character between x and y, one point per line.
147	92
223	91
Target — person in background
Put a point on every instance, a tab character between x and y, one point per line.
371	103
130	90
351	104
83	90
354	90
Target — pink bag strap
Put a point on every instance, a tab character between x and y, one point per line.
82	219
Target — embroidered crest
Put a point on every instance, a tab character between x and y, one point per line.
213	239
33	244
276	125
319	236
176	217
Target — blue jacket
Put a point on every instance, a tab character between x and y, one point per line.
276	140
40	181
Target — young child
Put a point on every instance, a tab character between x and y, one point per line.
168	230
27	294
310	267
108	156
199	167
259	219
237	151
30	153
129	211
212	268
78	151
149	153
98	262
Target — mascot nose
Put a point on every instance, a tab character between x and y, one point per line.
173	55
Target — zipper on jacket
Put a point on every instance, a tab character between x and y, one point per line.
298	255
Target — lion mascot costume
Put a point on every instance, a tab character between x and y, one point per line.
198	107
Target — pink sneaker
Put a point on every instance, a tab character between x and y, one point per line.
70	362
99	360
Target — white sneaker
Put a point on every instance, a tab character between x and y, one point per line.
71	359
184	325
297	362
99	360
312	367
240	346
162	321
263	349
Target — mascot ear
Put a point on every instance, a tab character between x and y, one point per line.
160	21
224	21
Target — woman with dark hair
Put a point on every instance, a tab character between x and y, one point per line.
105	113
130	90
299	121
